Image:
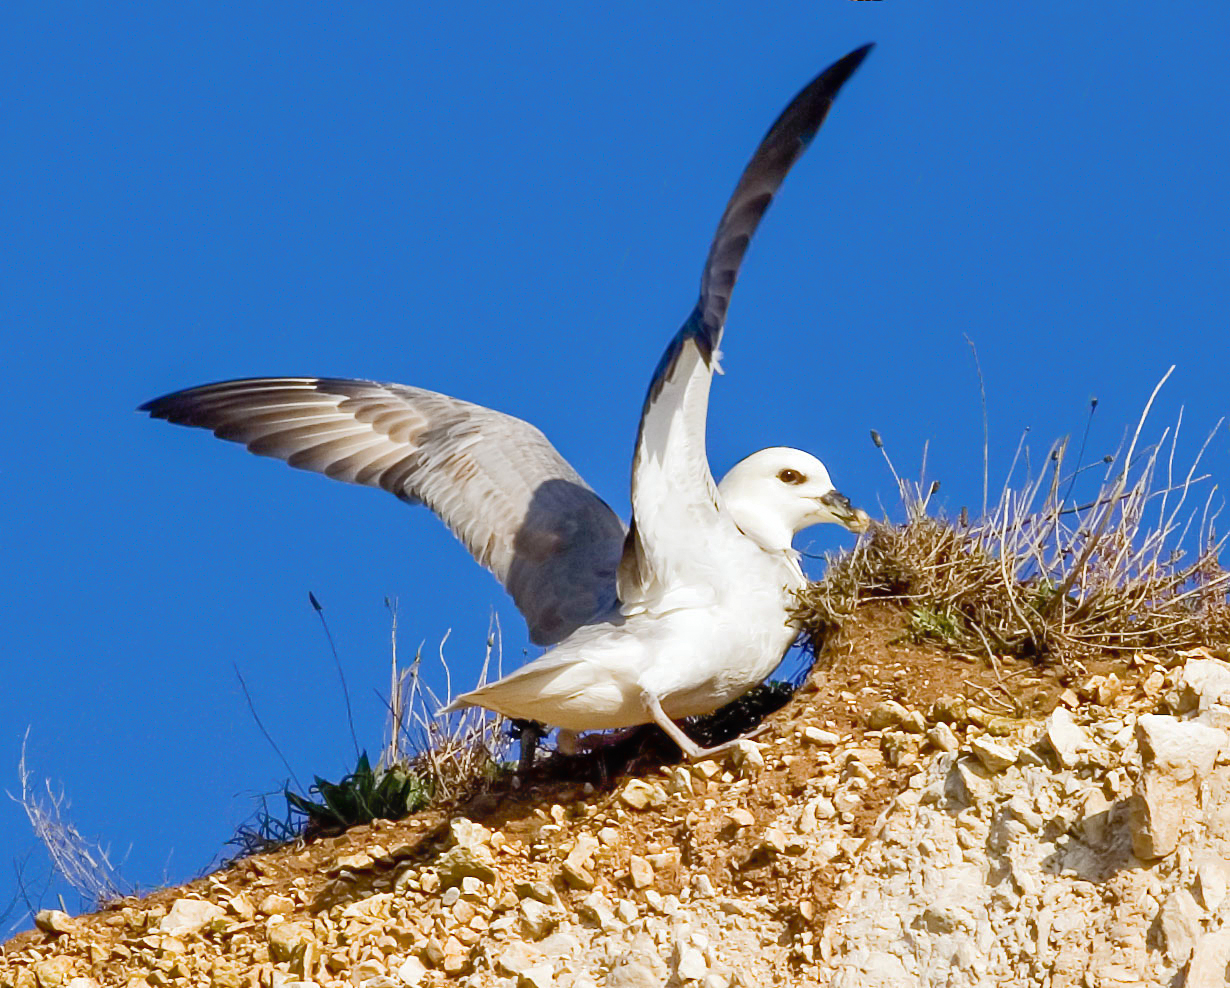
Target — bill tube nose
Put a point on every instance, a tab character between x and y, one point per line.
855	519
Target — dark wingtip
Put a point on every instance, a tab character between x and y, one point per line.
858	55
840	71
788	138
164	405
822	90
838	74
161	407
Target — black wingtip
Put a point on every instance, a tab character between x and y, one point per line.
785	141
809	108
838	74
860	53
160	407
844	67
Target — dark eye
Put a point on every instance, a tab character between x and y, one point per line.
789	476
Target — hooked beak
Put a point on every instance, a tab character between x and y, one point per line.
855	519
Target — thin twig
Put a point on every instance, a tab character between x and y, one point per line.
256	717
986	432
320	612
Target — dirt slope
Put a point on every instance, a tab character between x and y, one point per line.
910	818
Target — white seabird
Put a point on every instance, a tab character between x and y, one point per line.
681	613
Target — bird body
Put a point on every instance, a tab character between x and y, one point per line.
696	647
676	614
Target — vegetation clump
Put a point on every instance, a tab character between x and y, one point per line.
366	794
1135	567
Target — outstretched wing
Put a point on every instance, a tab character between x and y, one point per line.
496	481
674	498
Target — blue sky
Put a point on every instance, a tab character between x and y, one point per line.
511	204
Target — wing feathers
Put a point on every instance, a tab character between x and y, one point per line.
674	498
495	480
781	147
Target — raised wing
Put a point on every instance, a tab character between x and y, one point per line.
674	498
496	481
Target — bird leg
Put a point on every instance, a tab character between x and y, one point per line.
691	750
530	732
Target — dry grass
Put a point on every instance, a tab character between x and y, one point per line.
1134	567
458	754
85	864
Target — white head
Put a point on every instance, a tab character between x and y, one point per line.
779	491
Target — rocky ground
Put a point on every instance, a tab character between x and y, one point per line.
911	818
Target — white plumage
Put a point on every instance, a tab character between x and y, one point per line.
700	634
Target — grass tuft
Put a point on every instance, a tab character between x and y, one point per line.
459	755
85	864
1134	567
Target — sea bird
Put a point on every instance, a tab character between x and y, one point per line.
675	615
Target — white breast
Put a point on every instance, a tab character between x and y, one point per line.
720	652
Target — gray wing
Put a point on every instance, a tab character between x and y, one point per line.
496	481
675	504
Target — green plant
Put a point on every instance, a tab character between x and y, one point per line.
363	795
926	622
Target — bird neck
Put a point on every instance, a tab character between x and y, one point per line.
768	530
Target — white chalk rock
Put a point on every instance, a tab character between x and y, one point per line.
1212	879
1207	968
1204	683
1205	688
189	916
1065	737
1180	922
1175	756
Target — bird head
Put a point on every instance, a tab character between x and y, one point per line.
779	491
